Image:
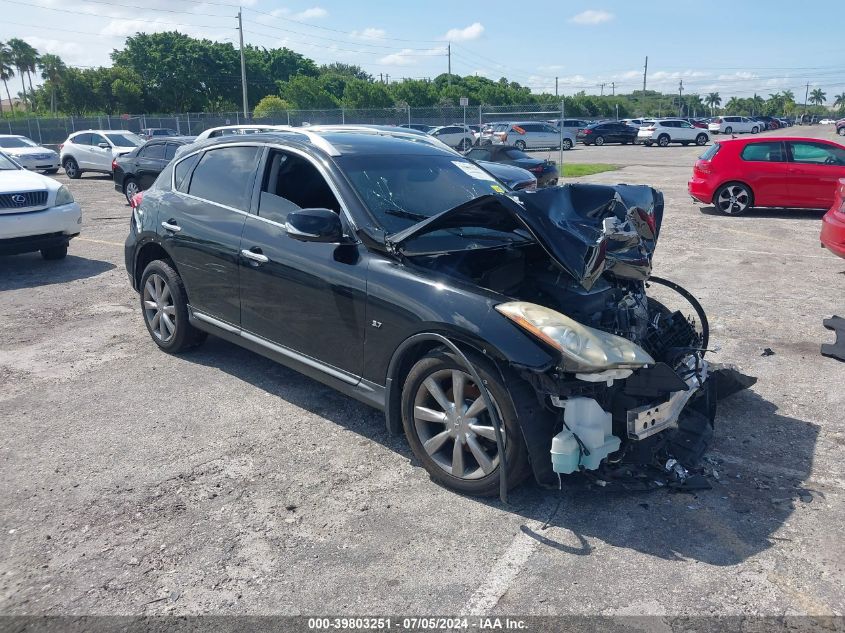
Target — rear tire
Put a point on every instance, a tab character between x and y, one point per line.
130	189
729	130
54	252
164	307
520	145
457	453
71	168
755	129
733	198
464	145
599	140
663	140
842	131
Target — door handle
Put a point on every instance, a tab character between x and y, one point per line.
171	225
255	255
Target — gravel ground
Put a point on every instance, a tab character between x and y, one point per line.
219	482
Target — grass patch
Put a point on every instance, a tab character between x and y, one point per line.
574	170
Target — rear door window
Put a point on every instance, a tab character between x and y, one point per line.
81	139
155	150
170	151
225	176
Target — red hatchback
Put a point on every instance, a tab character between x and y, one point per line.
738	174
833	223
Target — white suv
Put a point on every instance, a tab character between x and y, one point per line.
37	213
665	131
733	125
458	136
94	150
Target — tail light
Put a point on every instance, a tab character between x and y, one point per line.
114	164
588	131
536	170
839	200
702	166
137	199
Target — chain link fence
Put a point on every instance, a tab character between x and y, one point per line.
48	131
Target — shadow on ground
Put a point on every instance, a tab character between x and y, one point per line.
723	526
31	270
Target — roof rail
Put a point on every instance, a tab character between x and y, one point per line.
315	139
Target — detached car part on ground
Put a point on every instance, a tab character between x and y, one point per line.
485	323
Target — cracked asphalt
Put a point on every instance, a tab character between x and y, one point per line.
134	482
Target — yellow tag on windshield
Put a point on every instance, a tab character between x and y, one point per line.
497	188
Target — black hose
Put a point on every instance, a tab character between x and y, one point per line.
488	400
705	324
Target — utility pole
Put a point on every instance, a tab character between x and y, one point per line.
602	90
680	97
386	78
555	86
806	96
645	72
243	63
381	78
613	88
449	55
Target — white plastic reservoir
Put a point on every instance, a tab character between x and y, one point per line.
593	426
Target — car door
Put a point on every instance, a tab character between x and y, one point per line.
148	163
202	228
765	168
550	136
685	131
81	149
307	297
814	171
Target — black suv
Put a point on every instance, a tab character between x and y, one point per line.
607	132
137	170
484	322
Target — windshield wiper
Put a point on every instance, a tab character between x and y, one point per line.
410	215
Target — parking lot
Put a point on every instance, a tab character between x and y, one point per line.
220	482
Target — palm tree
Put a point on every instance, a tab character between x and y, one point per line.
23	57
817	96
6	71
52	70
733	105
839	101
713	100
757	104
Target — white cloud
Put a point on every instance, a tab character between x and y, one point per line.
471	32
310	14
409	56
370	33
592	16
70	52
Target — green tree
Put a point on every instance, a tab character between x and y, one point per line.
346	70
53	70
24	58
839	101
817	96
366	94
416	93
306	93
271	106
713	101
7	71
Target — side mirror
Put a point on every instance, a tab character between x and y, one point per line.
314	225
104	145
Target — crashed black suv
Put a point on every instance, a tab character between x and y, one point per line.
481	321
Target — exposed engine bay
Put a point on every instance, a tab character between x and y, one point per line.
587	255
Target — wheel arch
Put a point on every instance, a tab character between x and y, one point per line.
733	181
146	253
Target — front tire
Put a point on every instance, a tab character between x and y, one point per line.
54	252
164	306
599	140
71	169
663	140
520	145
450	430
733	198
842	131
701	139
464	145
567	144
755	129
729	130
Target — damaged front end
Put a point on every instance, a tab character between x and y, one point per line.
632	394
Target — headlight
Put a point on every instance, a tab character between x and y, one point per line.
584	348
63	196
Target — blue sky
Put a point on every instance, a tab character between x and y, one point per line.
736	48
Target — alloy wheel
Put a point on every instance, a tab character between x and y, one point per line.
159	310
131	189
70	169
599	140
733	199
454	426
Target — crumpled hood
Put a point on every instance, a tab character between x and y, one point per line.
586	229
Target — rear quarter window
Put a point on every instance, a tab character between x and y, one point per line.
225	176
711	151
